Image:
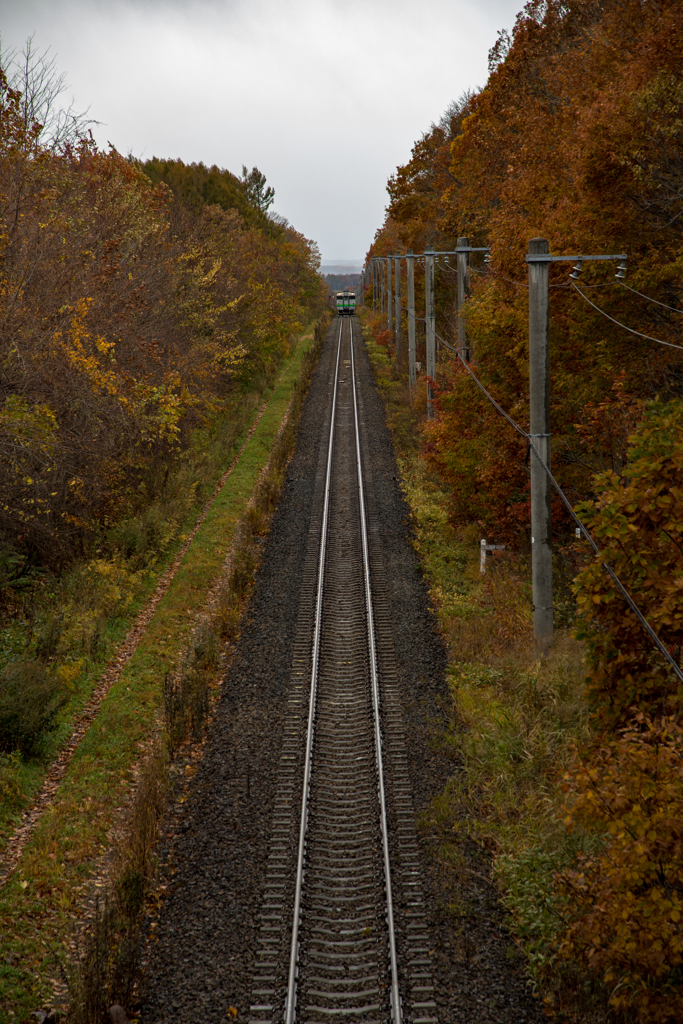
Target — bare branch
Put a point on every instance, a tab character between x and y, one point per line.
34	74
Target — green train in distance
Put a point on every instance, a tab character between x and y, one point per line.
346	303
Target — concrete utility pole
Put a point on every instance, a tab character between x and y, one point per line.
539	418
463	295
397	308
382	286
390	303
410	264
430	330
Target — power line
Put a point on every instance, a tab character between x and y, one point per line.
496	274
482	388
649	298
608	568
639	334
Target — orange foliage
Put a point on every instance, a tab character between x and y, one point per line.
637	522
124	317
624	903
578	137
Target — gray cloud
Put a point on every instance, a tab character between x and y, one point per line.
326	98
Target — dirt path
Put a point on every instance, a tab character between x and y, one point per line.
32	815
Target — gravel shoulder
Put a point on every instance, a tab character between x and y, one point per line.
199	958
198	962
478	973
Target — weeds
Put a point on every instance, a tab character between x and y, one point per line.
11	790
514	719
106	967
61	631
187	696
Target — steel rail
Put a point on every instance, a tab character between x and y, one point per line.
372	649
294	950
290	1008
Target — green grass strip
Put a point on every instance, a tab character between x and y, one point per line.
42	899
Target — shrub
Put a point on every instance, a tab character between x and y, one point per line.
637	521
31	695
624	902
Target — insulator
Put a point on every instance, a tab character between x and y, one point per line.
576	271
621	271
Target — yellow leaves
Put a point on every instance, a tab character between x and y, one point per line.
69	673
28	436
105	347
82	350
28	425
127	328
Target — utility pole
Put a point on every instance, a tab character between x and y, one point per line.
397	309
430	331
539	430
410	264
382	286
463	294
390	304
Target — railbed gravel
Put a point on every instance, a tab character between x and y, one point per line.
199	952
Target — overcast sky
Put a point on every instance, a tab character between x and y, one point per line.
326	98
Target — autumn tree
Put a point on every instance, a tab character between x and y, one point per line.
577	137
34	76
128	313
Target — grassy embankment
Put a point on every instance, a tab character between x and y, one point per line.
116	785
514	717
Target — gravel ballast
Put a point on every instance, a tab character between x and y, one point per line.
198	963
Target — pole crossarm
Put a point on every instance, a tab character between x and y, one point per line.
568	259
467	248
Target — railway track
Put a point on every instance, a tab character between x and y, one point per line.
343	930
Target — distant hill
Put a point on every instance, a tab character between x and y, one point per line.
339	282
342	267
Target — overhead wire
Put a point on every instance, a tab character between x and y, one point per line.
532	447
631	330
565	500
648	297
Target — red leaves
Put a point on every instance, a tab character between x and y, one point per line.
623	901
577	137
